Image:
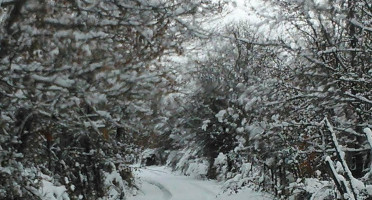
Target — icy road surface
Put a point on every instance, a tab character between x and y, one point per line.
159	183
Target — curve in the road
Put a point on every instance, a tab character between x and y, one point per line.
166	193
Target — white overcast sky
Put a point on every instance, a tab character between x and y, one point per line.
239	11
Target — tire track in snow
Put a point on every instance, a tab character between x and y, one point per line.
194	184
166	193
160	183
202	188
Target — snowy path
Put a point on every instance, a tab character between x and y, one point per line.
158	183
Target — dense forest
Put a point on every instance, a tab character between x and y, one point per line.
279	100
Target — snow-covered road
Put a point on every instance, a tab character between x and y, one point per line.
159	183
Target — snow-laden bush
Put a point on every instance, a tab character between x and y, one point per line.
198	168
312	188
116	182
220	164
52	190
188	163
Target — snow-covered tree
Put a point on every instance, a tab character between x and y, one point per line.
77	79
312	68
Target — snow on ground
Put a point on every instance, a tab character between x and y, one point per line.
159	183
